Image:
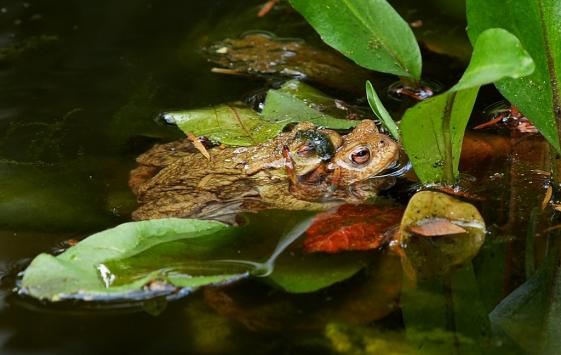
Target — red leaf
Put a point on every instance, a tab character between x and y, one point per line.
351	227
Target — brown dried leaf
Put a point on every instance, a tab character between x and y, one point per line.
436	227
547	197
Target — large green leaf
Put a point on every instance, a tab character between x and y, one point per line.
433	130
142	260
297	102
536	24
81	273
380	111
370	32
228	124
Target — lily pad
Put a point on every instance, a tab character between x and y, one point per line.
426	257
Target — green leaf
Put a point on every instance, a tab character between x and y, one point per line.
432	134
433	130
380	111
228	124
536	24
241	126
531	315
497	54
370	32
121	263
81	273
304	273
298	102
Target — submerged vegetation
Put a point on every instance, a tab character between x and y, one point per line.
361	215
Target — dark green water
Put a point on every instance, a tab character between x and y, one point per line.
81	83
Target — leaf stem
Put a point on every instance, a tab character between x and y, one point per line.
447	137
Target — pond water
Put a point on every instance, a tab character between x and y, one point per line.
82	83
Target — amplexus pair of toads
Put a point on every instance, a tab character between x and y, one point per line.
307	168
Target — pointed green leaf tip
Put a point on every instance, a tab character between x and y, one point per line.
370	32
433	130
380	111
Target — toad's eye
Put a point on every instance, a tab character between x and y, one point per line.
361	156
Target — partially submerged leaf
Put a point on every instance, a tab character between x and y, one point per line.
370	32
428	257
433	130
81	271
228	124
536	24
351	227
241	126
298	102
432	133
139	261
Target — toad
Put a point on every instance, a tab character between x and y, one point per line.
308	168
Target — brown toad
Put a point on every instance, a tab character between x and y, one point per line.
307	168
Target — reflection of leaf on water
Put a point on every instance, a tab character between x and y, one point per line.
445	316
427	257
347	339
531	314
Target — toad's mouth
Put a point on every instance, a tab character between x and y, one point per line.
394	170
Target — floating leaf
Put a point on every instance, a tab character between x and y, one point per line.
536	24
228	124
351	227
428	257
142	260
370	32
433	130
81	272
241	126
298	102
